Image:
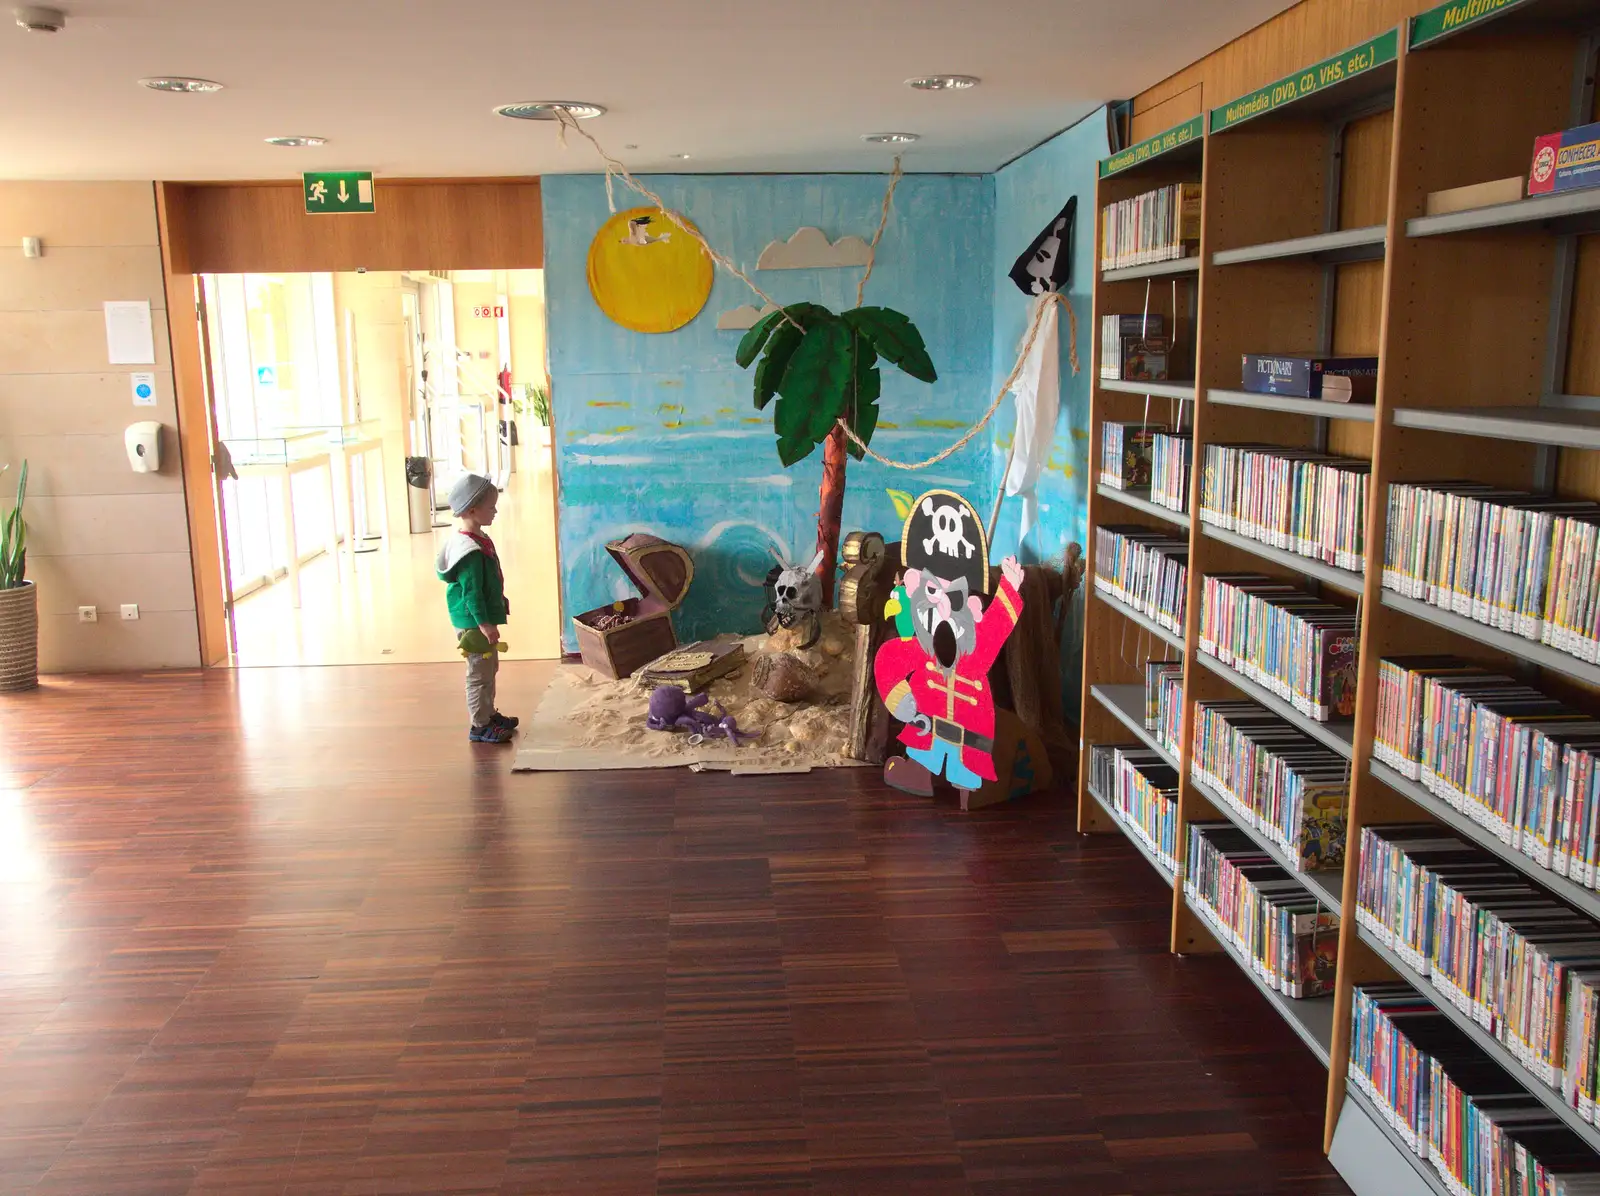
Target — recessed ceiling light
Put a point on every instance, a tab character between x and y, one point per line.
546	110
682	157
182	84
41	20
297	142
943	83
890	138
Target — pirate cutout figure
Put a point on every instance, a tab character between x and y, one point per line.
934	677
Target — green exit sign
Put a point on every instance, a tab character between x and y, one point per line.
338	191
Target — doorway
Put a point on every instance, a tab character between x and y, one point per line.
344	406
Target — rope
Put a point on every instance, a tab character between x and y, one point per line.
883	221
1005	389
615	168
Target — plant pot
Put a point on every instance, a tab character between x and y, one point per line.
541	435
19	637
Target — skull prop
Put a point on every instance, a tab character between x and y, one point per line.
794	595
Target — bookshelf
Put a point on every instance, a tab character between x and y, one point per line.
1126	705
1344	245
1547	423
1187	265
1487	326
1362	413
1150	857
1183	391
1340	579
1139	500
1485	1041
1572	212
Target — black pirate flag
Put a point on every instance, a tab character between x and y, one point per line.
1047	265
944	536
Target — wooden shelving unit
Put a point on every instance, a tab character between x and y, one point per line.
1163	390
1139	500
1487	326
1185	265
1346	245
1362	413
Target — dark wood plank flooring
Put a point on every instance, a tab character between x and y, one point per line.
286	931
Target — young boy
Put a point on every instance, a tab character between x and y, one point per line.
476	596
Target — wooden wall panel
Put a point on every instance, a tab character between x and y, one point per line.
98	534
456	224
195	443
1310	31
1358	308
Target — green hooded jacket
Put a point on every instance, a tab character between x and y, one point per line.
475	589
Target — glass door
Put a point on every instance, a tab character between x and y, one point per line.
274	362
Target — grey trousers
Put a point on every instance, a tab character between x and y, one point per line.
481	672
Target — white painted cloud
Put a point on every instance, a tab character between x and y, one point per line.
810	249
743	318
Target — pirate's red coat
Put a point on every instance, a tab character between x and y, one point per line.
960	696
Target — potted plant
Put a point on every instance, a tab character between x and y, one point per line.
538	401
19	608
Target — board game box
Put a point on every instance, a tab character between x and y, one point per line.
1566	161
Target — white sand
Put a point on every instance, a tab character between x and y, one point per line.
585	713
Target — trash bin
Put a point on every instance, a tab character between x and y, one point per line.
419	495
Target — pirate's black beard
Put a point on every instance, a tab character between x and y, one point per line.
944	645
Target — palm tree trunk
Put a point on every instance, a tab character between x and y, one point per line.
831	509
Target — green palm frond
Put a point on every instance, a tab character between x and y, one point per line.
823	366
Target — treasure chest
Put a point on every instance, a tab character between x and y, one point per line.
617	639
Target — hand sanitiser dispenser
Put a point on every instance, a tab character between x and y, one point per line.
143	441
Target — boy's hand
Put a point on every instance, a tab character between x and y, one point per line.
490	633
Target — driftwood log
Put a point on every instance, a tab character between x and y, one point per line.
1032	656
867	586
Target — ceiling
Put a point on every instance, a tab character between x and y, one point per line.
406	87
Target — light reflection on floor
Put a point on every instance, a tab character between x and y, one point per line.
388	607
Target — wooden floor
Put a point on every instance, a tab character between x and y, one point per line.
285	931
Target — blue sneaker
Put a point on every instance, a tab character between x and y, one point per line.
493	733
508	721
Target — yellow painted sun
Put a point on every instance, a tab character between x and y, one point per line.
647	272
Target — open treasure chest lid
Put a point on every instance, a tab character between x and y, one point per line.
661	570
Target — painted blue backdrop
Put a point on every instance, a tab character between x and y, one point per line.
1029	192
657	433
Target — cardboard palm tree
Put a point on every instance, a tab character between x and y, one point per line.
823	367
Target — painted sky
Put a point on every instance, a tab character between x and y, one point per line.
658	433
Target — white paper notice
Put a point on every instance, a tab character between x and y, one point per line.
144	390
129	340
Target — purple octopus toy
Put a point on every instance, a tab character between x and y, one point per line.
673	710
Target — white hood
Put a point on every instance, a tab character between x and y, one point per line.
455	549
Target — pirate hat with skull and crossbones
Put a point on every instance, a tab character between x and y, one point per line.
944	536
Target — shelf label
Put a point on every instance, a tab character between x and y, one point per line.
1330	72
1151	147
1455	16
330	191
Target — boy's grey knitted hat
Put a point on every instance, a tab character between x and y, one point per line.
469	490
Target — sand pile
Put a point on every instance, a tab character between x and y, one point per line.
585	712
